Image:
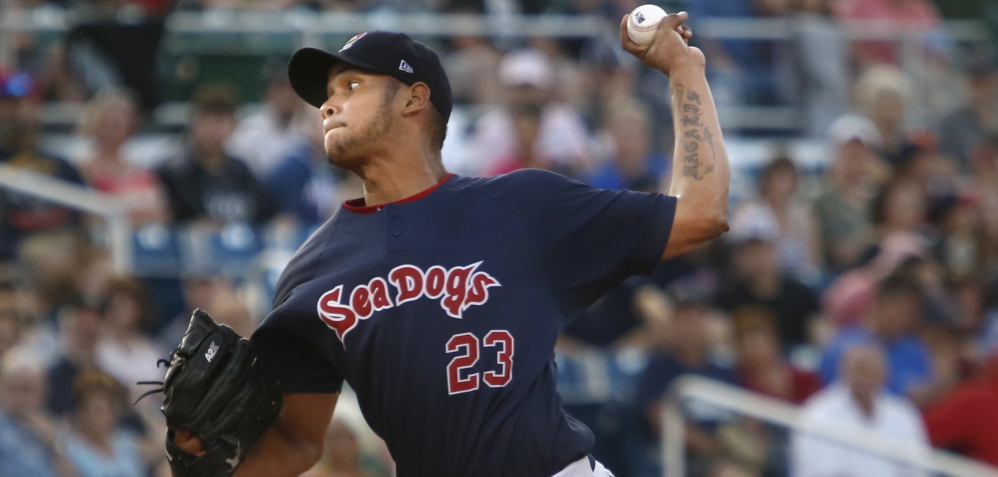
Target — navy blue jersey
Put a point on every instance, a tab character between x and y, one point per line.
442	313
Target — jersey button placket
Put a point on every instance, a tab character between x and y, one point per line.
394	228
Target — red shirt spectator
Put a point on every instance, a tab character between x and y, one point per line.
760	367
966	420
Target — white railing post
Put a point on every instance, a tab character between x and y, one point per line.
674	439
81	198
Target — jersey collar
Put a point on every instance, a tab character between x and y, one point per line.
357	205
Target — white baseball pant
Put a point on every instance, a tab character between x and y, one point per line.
584	468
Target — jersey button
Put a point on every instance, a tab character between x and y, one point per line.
393	212
397	233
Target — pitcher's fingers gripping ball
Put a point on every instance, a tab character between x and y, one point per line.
216	393
643	22
657	46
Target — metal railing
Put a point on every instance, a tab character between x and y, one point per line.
81	198
770	410
306	28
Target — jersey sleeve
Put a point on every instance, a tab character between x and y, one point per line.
590	239
291	350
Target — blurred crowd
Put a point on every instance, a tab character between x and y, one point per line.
864	288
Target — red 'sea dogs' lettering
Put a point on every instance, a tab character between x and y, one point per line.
457	289
339	318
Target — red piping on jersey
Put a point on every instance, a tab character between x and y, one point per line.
357	205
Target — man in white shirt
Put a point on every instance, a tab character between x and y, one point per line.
267	137
858	400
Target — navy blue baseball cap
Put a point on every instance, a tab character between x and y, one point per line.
393	54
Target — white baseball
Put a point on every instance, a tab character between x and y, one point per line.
643	22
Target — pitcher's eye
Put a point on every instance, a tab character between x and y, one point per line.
352	85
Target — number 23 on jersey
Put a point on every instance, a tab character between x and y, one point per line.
469	346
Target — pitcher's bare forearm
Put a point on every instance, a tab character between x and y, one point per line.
692	146
700	172
700	160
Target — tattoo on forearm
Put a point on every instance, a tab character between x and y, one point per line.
694	97
694	166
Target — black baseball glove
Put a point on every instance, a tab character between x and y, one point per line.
215	388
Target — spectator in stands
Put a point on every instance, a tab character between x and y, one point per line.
952	363
964	129
761	367
50	262
343	455
94	270
562	137
797	242
636	314
610	80
978	316
631	164
976	322
525	154
688	352
228	309
22	214
842	208
890	322
266	138
124	350
308	183
80	327
759	280
94	443
847	300
938	175
881	94
858	401
200	286
109	121
19	303
28	436
966	420
899	207
207	185
940	306
473	69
